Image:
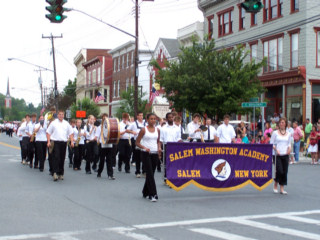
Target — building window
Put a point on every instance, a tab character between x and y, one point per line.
114	89
94	76
114	65
118	93
294	102
254	51
294	6
242	17
318	46
273	51
254	19
89	77
127	60
123	64
105	93
294	50
119	63
210	27
132	54
127	84
99	75
132	81
225	22
272	9
315	102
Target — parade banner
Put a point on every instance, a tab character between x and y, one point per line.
218	167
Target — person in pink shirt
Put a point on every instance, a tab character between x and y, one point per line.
297	135
268	130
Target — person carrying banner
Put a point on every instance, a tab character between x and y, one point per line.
281	140
58	132
225	132
148	141
168	133
210	134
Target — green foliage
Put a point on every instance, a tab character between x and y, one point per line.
207	81
127	103
85	105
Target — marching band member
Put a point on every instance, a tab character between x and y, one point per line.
210	134
225	132
25	139
70	149
148	141
136	126
193	128
177	121
41	143
79	137
91	142
168	133
31	145
124	143
48	119
105	153
19	134
58	132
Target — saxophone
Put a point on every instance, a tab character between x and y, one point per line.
79	137
34	133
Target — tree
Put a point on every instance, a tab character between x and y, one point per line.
127	103
86	105
205	80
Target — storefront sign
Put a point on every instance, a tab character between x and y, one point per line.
161	110
218	167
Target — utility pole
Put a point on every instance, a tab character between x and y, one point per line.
136	62
54	68
40	83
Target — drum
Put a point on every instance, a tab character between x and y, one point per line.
110	130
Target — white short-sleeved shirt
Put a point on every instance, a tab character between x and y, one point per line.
192	127
99	138
136	126
123	127
88	129
22	129
282	143
213	132
170	133
225	133
60	130
41	135
30	127
75	135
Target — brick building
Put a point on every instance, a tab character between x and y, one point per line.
124	72
287	33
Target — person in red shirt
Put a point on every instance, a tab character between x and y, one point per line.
313	146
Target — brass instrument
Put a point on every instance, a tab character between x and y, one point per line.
203	128
79	137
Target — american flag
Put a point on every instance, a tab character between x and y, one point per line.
154	93
99	98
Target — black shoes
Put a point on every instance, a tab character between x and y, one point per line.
88	172
99	175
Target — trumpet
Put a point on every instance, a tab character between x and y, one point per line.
79	137
203	128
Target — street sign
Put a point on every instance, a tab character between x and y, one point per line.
253	104
68	113
80	114
255	99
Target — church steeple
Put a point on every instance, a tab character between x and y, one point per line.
7	100
8	91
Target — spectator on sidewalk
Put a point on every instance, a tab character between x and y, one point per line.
307	129
313	146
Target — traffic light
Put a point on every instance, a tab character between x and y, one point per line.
56	10
252	6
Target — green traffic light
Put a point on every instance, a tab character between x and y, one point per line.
255	6
58	17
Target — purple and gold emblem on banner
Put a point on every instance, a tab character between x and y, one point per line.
218	167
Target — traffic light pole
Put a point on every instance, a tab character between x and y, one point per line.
136	63
54	68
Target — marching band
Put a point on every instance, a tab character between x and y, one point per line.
142	140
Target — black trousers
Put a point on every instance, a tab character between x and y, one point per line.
133	148
10	132
282	165
150	162
70	154
137	160
20	142
114	154
50	160
59	155
31	152
90	154
96	150
78	155
106	156
24	147
124	154
41	150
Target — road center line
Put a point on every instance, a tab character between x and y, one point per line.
9	145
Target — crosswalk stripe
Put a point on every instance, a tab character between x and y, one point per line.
277	229
219	234
300	219
64	237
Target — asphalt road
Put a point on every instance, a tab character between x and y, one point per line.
32	206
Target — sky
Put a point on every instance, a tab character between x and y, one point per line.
23	23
